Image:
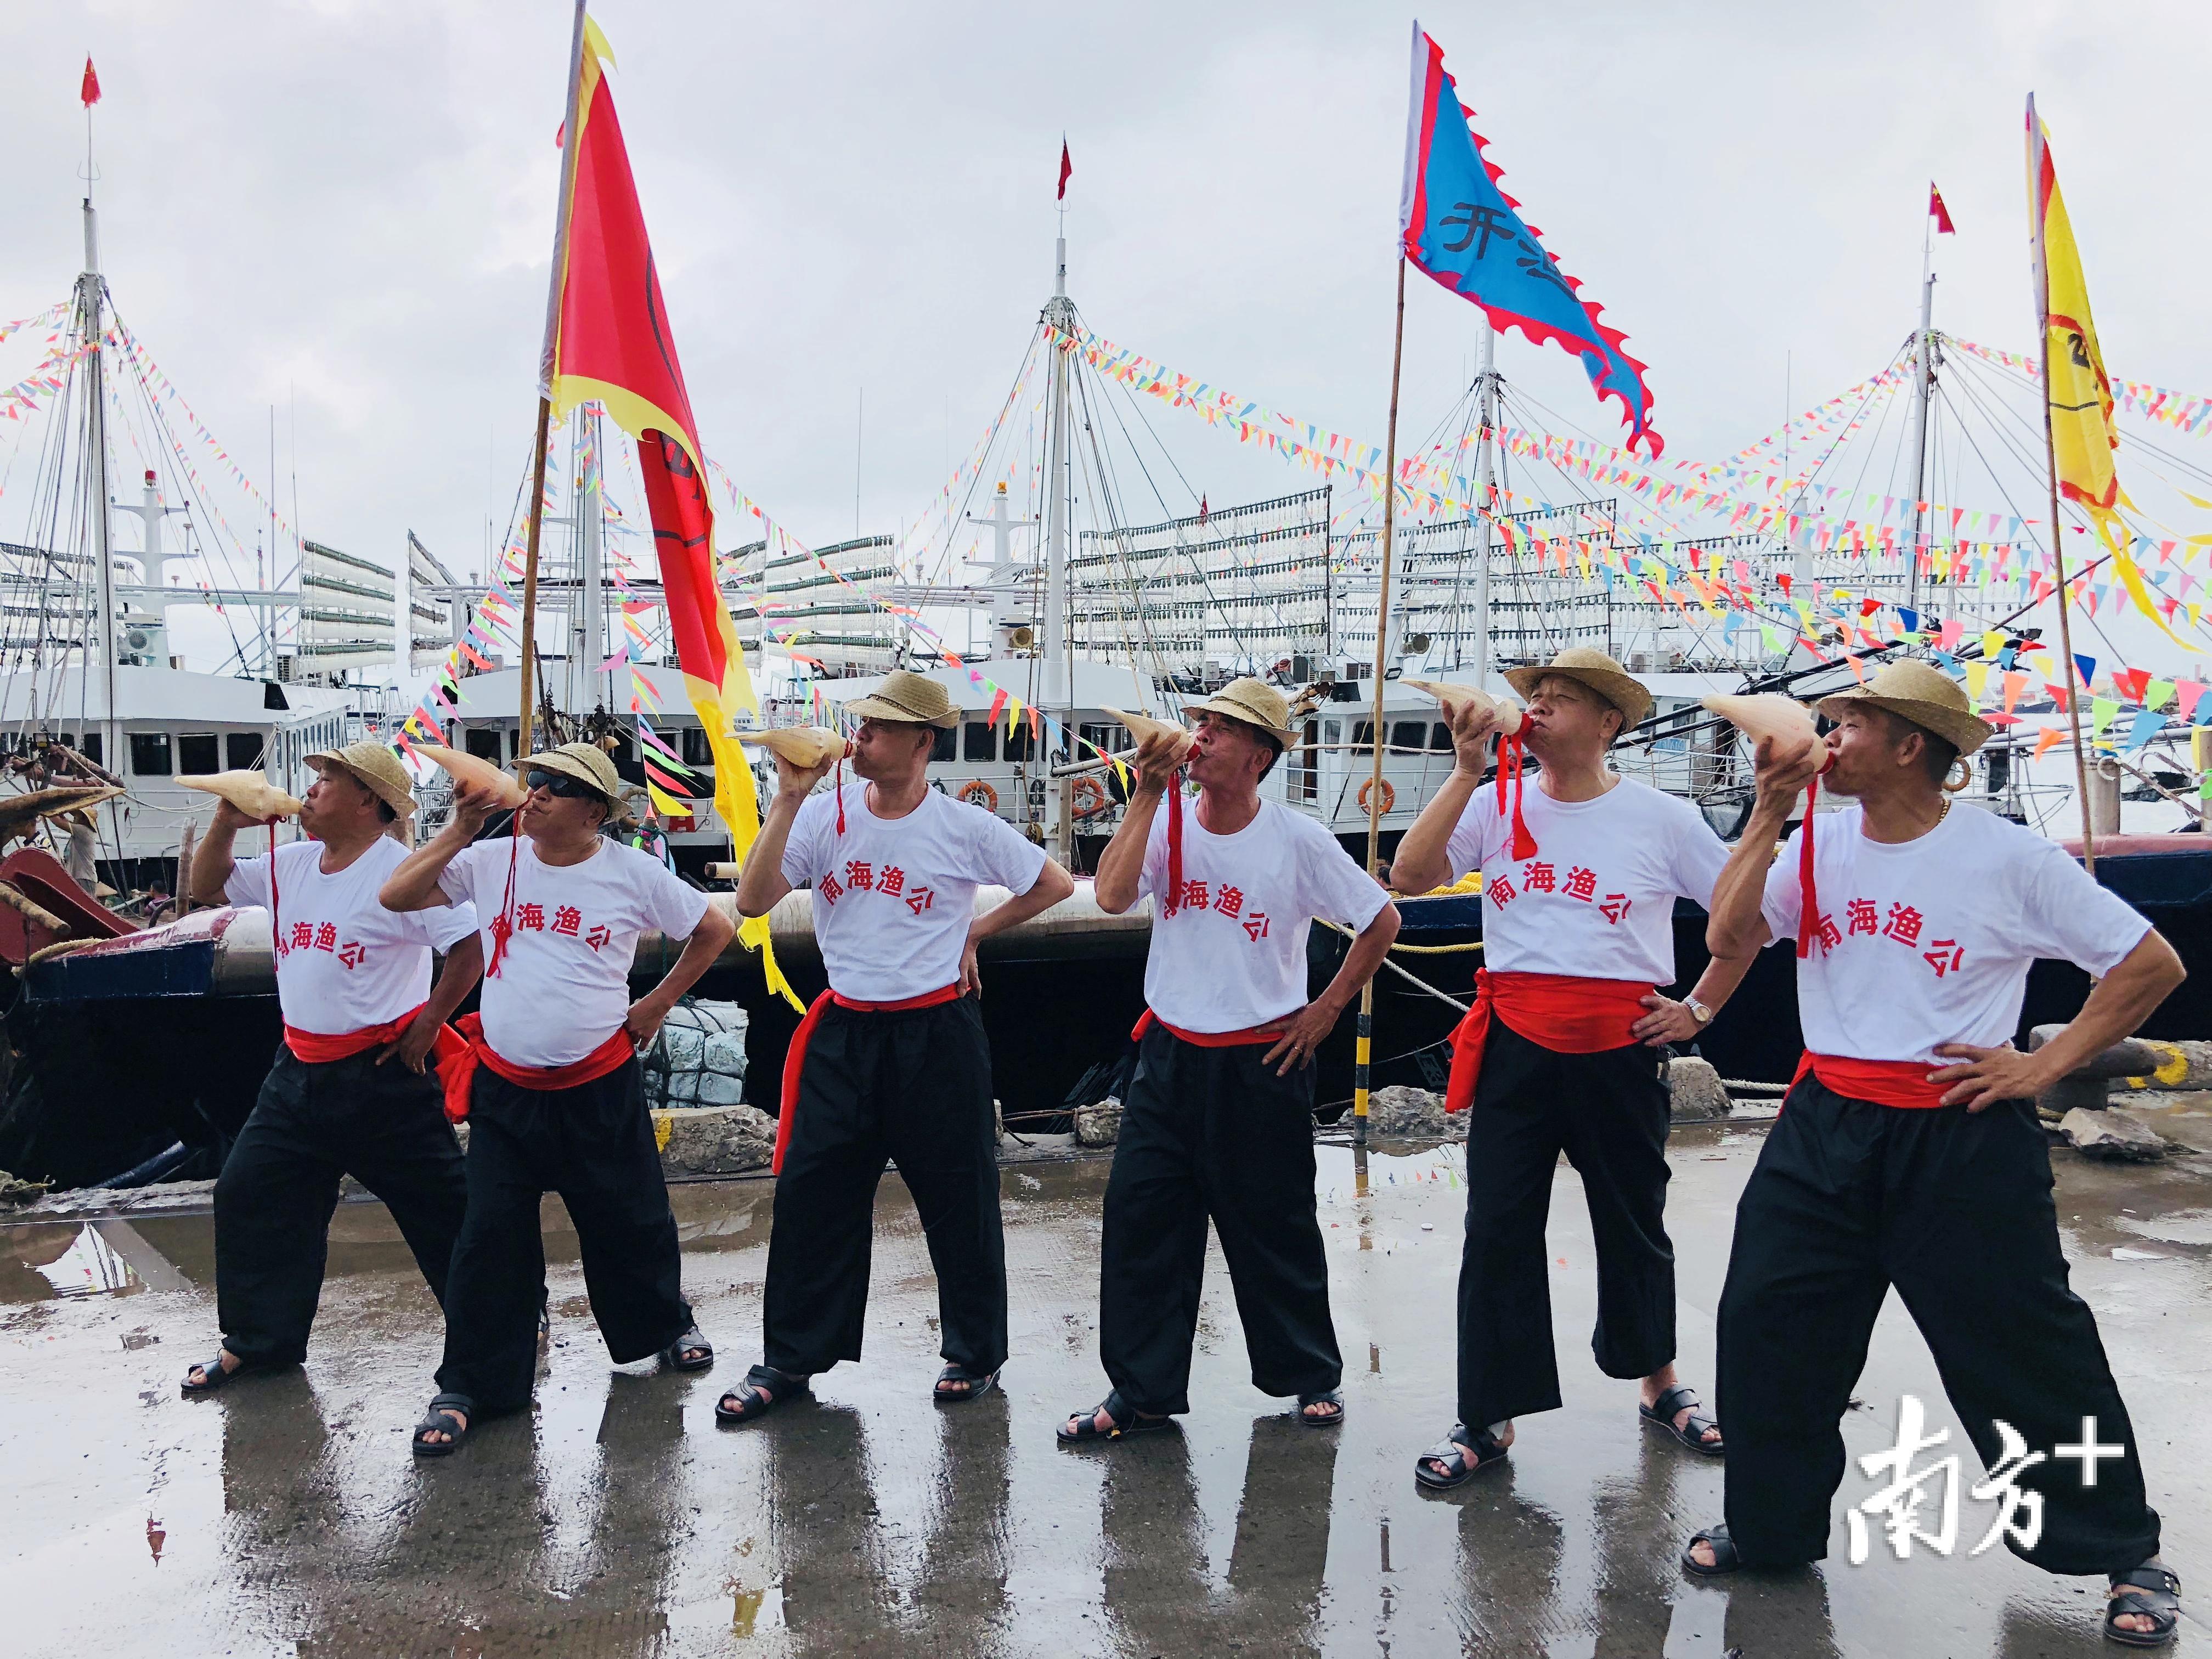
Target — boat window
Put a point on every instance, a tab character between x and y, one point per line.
242	751
1409	734
1363	737
198	753
90	748
698	751
624	749
945	744
1332	732
150	754
482	742
1018	741
981	742
1440	741
514	743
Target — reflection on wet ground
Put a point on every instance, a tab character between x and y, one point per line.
285	1516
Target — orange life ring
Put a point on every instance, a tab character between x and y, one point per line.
980	794
1090	797
1389	796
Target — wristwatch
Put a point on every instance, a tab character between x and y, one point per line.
1699	1011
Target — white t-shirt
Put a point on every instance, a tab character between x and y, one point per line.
1234	954
1928	941
1597	901
343	962
562	987
893	896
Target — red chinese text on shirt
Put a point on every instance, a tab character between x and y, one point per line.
1901	923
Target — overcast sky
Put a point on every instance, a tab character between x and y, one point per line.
347	208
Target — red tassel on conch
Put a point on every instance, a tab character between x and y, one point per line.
276	911
1174	901
837	787
1808	895
503	924
1512	759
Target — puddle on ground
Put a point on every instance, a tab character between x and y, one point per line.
2182	1227
62	1260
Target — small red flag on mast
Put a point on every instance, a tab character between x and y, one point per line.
90	90
1937	212
1066	167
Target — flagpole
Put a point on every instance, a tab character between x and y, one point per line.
570	125
1365	1042
2035	206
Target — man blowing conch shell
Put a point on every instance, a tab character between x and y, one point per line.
347	1093
1580	872
892	1061
556	1098
1217	1123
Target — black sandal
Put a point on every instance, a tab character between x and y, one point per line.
1452	1452
763	1389
1328	1420
688	1353
1725	1558
451	1414
1661	1415
212	1376
1126	1419
2150	1592
979	1384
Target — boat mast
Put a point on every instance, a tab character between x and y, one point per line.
1059	504
1924	345
100	640
1487	460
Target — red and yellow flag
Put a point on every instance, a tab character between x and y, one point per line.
608	340
2082	434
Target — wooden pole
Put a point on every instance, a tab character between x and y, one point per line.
1363	1048
529	644
2051	462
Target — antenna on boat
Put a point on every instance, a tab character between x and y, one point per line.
1056	687
1487	459
1924	345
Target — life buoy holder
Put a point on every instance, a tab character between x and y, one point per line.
980	794
1090	797
1389	796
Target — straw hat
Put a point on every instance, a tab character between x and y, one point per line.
1930	699
587	760
906	697
379	771
1596	669
1253	702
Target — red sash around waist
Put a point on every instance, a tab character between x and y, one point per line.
1565	1014
1885	1082
458	1071
794	1058
1249	1035
321	1048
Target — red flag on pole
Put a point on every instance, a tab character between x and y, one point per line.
90	90
1066	167
1937	211
608	340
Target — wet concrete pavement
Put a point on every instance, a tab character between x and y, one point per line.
285	1516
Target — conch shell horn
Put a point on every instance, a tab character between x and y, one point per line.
1770	714
250	791
805	747
1144	726
477	774
1510	716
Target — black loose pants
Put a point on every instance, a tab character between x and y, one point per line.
1213	1133
1608	1112
594	1146
1955	1209
913	1086
311	1126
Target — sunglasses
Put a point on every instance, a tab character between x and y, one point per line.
560	783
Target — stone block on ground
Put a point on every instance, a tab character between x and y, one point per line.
2112	1135
1413	1114
713	1139
1695	1093
1099	1124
